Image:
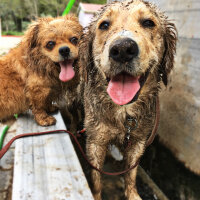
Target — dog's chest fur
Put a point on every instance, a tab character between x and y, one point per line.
111	119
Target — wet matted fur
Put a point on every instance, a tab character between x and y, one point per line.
31	73
126	52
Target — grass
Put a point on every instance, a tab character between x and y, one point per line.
12	33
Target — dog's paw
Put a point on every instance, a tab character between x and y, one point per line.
134	196
52	109
47	121
97	196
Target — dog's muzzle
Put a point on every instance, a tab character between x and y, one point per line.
64	51
123	50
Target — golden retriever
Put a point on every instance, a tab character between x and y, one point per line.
125	54
40	70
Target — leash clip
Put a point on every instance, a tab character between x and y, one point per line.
129	124
128	136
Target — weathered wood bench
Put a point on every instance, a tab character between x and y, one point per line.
46	167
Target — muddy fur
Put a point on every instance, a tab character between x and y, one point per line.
71	108
104	120
29	77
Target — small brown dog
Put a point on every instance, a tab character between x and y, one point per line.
126	52
40	70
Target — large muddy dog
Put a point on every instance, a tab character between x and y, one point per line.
127	51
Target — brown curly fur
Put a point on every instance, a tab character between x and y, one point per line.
29	75
104	120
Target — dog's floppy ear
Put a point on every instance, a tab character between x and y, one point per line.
170	38
85	52
31	35
31	41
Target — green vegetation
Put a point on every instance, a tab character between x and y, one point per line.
15	15
12	33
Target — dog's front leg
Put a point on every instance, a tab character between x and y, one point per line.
96	152
131	156
38	96
38	106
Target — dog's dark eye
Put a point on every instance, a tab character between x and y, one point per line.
104	25
74	40
148	23
50	45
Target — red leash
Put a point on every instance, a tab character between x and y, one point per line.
149	141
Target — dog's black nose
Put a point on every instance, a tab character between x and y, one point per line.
124	50
64	51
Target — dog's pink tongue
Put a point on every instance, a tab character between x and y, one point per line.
67	72
122	88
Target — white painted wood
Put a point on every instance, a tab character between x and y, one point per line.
46	167
180	106
187	23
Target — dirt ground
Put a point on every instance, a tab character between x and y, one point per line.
175	181
113	186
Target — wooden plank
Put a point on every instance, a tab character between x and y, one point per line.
46	167
180	106
146	179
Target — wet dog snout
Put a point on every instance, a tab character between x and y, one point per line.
124	50
64	51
